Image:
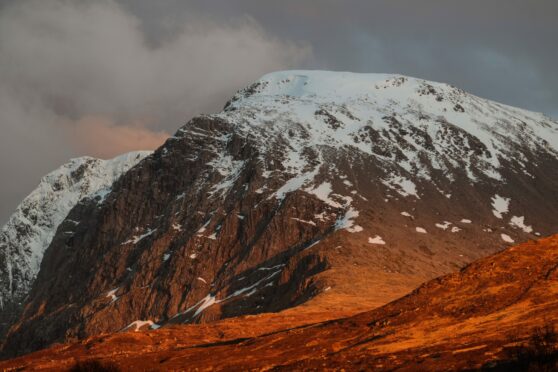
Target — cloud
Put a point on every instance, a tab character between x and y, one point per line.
499	49
102	137
79	78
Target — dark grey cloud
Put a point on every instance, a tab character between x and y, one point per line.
100	70
499	49
85	78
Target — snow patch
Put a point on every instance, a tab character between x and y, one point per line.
137	238
519	222
304	221
507	238
138	324
227	167
402	185
443	226
294	183
322	216
204	227
211	299
376	240
347	221
322	192
500	205
112	294
206	302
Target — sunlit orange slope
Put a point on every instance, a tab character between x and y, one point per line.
461	320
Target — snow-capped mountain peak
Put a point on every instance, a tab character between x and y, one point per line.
395	118
309	187
31	228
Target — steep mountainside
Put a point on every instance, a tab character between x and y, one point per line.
29	231
333	191
463	321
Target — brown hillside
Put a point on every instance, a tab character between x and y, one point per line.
463	320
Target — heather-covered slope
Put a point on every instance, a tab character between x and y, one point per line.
462	321
324	190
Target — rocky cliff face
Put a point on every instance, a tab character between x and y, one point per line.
326	190
29	231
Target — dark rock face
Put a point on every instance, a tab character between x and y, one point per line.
230	218
176	263
29	231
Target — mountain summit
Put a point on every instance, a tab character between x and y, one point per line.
329	191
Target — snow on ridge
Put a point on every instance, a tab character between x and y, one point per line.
229	169
402	185
323	192
332	109
301	83
44	209
413	126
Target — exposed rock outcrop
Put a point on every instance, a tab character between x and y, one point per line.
29	231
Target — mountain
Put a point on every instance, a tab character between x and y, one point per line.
29	231
481	316
326	191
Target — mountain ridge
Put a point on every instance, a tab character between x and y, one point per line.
29	230
276	201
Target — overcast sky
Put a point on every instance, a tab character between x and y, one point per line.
104	77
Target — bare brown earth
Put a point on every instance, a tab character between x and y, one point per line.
463	320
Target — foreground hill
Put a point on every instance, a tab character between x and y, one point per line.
465	320
338	192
